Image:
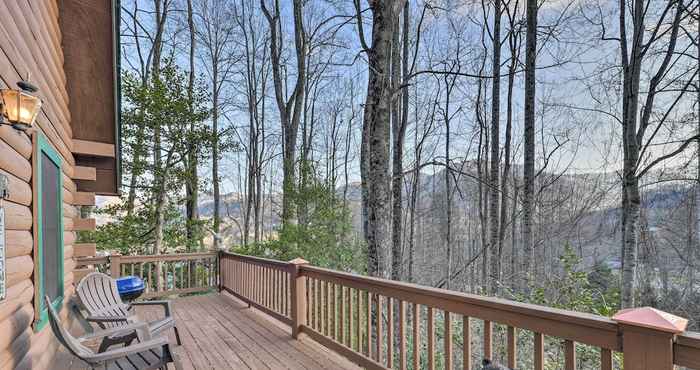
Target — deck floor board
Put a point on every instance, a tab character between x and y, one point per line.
221	332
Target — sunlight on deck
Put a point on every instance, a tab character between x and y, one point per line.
220	332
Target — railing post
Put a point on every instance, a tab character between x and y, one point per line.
647	337
298	295
218	278
115	265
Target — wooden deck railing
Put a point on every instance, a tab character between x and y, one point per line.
383	324
163	274
262	283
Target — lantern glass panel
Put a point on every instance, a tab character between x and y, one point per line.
10	104
20	107
29	109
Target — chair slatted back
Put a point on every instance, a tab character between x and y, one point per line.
100	297
63	336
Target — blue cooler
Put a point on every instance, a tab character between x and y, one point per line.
130	287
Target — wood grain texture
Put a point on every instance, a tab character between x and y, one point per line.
81	198
18	243
84	224
30	42
93	148
84	173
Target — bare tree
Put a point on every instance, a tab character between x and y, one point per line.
291	108
376	129
529	137
635	140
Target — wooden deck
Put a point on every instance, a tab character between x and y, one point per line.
220	332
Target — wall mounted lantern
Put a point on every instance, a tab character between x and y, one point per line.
19	107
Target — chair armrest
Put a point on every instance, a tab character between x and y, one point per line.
128	350
104	319
165	304
139	327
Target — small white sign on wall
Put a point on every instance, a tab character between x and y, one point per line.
2	252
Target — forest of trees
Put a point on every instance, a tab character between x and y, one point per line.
492	146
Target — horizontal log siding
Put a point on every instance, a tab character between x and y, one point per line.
30	42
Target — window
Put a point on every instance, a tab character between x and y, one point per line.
48	228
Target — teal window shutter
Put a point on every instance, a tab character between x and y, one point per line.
48	228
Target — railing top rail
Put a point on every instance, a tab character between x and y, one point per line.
687	350
689	339
92	260
167	257
258	260
581	327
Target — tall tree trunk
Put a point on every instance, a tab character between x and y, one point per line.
694	254
529	141
399	118
215	154
448	189
495	151
377	118
192	183
290	110
630	183
415	192
514	56
160	198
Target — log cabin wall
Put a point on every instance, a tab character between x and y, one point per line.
31	44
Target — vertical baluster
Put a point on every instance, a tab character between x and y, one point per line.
448	340
244	278
334	313
390	332
402	335
488	341
416	336
309	307
569	355
539	351
285	296
380	329
431	339
324	303
264	286
368	322
276	290
268	286
606	362
259	284
256	283
512	347
270	289
319	306
189	275
328	309
350	320
358	322
251	282
341	314
466	343
313	303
